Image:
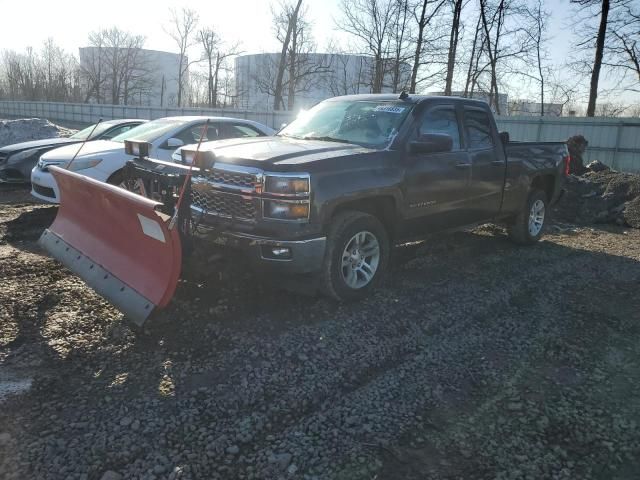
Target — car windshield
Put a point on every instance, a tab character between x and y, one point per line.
367	123
150	131
84	133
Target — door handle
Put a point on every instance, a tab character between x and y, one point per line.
463	165
498	163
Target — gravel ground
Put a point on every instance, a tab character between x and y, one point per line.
478	359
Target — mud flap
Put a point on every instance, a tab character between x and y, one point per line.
117	242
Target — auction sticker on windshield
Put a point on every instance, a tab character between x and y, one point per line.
389	109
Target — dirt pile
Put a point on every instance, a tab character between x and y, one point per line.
601	195
25	129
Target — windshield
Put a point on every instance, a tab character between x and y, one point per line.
150	131
84	134
367	123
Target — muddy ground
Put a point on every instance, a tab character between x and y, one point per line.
478	359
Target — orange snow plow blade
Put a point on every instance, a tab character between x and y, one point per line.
117	242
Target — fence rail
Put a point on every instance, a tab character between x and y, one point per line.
613	141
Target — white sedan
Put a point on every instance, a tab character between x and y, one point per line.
104	159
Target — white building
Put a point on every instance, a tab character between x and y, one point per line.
151	77
525	107
320	76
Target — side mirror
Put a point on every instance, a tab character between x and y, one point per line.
432	143
504	137
174	143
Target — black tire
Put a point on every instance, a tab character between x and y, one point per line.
519	230
116	178
343	229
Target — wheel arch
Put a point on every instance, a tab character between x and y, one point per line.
383	207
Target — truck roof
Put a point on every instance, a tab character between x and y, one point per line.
411	98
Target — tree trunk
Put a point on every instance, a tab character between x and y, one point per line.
180	80
595	74
210	83
282	63
453	42
472	61
216	74
291	94
418	53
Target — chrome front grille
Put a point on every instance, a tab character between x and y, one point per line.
232	179
228	191
222	204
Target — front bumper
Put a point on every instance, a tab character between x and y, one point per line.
11	175
287	256
44	186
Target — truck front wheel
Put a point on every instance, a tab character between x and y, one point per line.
528	226
356	256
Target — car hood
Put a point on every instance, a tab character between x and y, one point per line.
46	142
90	149
279	150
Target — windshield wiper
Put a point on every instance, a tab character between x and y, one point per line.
326	139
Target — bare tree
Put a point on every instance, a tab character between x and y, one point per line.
604	7
623	49
115	68
297	68
536	32
428	10
371	21
474	58
506	40
285	24
182	29
216	54
50	74
401	46
453	43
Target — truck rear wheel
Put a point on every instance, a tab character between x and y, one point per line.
528	226
356	257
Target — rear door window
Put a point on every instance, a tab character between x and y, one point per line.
192	134
477	126
442	120
236	130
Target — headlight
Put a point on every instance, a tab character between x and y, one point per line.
286	210
295	185
83	164
16	157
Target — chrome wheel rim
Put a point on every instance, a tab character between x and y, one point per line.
536	217
135	186
360	260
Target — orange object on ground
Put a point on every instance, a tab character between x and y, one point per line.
117	242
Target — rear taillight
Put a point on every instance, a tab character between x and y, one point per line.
567	164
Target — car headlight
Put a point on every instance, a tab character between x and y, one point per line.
277	210
83	164
16	157
294	185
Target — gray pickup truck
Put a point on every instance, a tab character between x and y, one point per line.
339	186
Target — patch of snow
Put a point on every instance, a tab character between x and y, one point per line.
25	129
